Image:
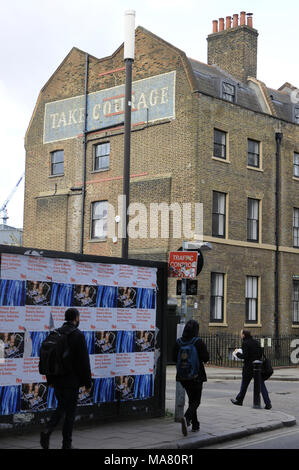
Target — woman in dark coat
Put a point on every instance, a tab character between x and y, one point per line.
251	351
193	387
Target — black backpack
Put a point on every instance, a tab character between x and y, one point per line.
187	360
54	356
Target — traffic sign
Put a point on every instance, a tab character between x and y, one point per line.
182	264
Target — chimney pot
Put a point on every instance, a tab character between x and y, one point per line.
249	20
228	22
215	26
235	20
242	20
221	24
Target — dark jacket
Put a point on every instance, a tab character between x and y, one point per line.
80	373
252	351
203	356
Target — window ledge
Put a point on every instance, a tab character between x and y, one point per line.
100	171
255	169
97	240
218	324
295	326
223	160
56	176
253	325
296	178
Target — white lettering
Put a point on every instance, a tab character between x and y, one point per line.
153	97
107	108
164	95
140	221
295	353
62	120
95	112
72	118
54	119
142	101
81	115
118	105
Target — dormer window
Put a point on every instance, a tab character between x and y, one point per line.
228	92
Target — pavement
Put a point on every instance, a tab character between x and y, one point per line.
220	421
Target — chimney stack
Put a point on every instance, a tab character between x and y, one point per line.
234	49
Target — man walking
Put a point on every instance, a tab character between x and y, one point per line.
67	386
193	386
251	351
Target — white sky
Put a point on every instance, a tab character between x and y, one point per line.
36	35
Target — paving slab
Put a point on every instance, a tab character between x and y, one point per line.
220	421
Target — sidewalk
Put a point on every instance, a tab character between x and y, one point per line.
220	421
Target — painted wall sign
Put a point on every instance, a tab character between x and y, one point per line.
152	99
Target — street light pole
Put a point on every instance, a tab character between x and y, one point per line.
129	50
179	390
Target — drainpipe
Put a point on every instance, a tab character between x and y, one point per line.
278	138
84	156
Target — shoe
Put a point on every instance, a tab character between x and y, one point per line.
236	402
268	407
184	426
196	427
44	440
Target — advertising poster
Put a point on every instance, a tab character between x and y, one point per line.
117	305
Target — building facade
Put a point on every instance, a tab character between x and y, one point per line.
201	133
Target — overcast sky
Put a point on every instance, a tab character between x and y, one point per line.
36	35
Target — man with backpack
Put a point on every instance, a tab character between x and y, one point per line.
189	353
64	359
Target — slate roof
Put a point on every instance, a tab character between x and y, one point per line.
209	80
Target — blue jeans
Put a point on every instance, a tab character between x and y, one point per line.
246	379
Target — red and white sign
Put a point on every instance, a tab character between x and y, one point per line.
182	264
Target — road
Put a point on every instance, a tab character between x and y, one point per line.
284	397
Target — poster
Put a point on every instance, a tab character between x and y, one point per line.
117	305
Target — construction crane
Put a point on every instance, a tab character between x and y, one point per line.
3	210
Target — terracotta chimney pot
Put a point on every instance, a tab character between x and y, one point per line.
235	20
221	24
215	26
228	22
242	20
249	20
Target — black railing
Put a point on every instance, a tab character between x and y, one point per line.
279	351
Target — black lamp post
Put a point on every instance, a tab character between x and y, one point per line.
129	49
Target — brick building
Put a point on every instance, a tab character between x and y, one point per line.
210	133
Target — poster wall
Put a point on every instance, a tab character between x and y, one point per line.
117	305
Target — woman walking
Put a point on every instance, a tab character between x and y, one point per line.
193	386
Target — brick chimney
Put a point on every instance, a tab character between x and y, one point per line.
234	49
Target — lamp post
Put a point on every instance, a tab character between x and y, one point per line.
129	49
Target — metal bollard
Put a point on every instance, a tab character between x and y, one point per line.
257	367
